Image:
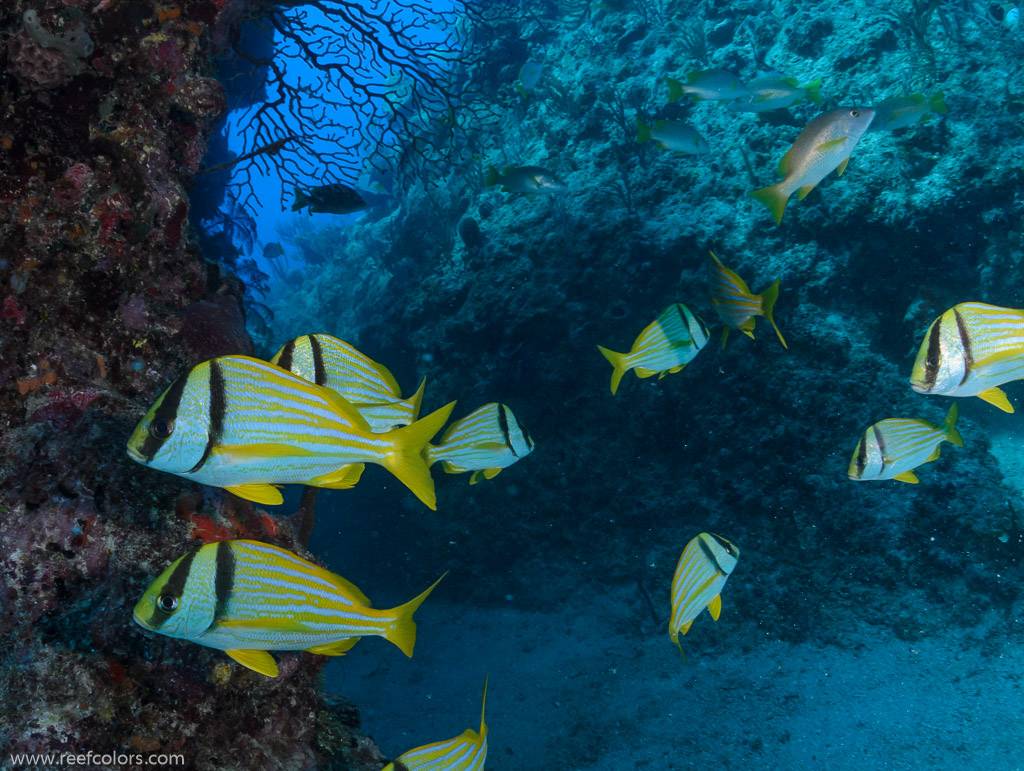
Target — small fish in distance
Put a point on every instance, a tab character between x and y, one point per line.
329	199
737	307
524	179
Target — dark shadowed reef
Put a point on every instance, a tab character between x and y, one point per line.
106	109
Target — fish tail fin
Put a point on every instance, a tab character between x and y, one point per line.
675	89
492	177
811	91
937	104
768	298
300	200
643	131
402	631
949	426
616	360
416	400
407	459
773	198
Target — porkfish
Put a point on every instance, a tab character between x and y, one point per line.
466	752
893	448
485	441
247	425
737	307
824	144
704	566
667	344
368	386
971	350
246	598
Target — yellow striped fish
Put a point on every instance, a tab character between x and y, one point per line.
705	565
893	448
971	350
824	144
736	306
466	752
246	425
246	598
484	442
667	344
369	386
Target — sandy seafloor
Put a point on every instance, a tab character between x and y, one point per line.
589	694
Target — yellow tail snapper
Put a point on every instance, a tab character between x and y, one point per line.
667	344
707	85
246	598
484	442
900	111
246	425
681	138
824	144
893	448
524	179
736	306
970	350
369	386
704	566
774	93
466	752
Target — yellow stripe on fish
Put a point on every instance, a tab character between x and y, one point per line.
335	364
667	344
824	144
737	307
971	350
893	448
485	441
246	425
466	752
704	566
246	598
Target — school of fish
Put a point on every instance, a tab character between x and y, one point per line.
320	409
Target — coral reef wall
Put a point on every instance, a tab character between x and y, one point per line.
106	108
497	296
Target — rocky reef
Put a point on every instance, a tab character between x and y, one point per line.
107	108
504	296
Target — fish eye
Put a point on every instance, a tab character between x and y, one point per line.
854	113
161	428
933	361
168	603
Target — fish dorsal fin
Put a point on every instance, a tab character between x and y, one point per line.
791	82
842	166
342	479
997	398
257	661
907	476
346	408
831	144
715	607
268	495
339	648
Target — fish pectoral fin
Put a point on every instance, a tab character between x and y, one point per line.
997	398
934	456
490	473
907	476
842	166
257	661
339	648
342	479
715	607
831	144
268	495
802	192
